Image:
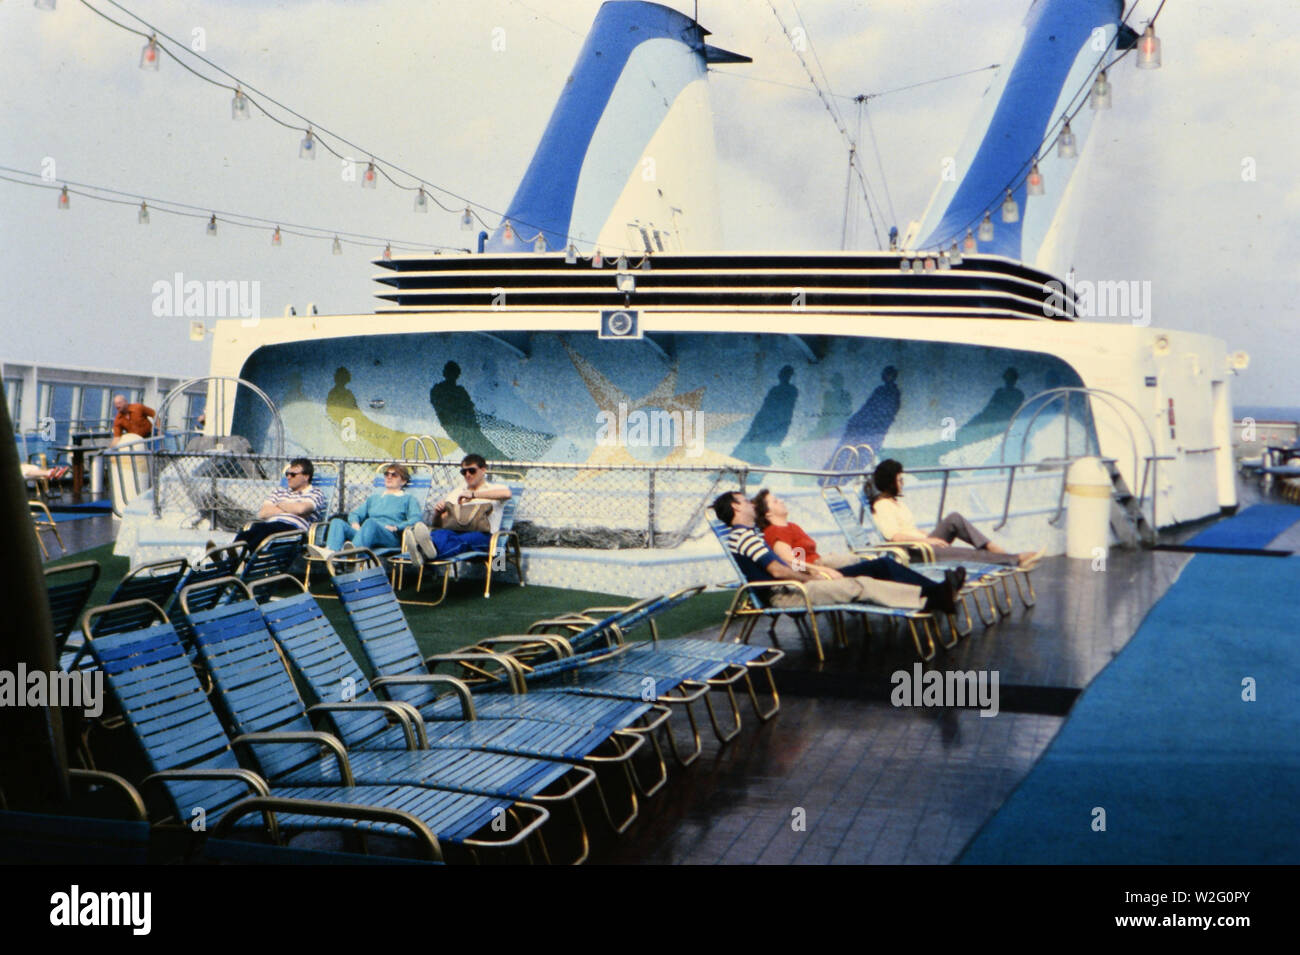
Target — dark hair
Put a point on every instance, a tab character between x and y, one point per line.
304	465
724	505
885	477
401	470
760	508
474	459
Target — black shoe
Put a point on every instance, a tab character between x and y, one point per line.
957	578
942	598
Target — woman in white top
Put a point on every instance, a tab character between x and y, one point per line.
895	522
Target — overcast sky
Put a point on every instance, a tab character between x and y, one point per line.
422	85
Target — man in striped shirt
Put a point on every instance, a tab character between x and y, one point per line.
292	508
758	563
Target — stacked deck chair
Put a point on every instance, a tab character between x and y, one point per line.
155	582
980	578
975	570
390	649
196	775
749	606
259	696
503	548
31	838
319	657
68	589
588	628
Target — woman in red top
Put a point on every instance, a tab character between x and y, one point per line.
796	549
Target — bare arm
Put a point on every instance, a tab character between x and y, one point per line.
791	559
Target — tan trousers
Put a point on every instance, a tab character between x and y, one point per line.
852	590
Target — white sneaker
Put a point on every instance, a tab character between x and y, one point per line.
411	547
320	553
424	541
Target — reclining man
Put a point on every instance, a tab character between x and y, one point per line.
758	563
294	507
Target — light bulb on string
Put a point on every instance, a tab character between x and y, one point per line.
1148	54
1065	144
968	243
149	55
986	228
1010	210
212	225
142	216
388	252
905	265
597	260
336	247
369	178
421	201
1099	98
645	263
539	243
508	233
467	221
928	265
622	263
1034	182
571	254
275	237
239	106
307	148
64	200
954	253
944	262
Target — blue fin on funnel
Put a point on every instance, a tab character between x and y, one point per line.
1063	42
640	79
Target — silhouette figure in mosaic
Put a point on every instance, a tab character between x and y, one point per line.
771	423
870	422
455	410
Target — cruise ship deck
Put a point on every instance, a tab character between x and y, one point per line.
843	776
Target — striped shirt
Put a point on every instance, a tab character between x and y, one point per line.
282	495
751	552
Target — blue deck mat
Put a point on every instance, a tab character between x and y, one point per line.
1254	528
1186	771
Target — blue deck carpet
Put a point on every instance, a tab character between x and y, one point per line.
1254	528
1186	771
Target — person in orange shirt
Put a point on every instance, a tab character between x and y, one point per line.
796	549
133	418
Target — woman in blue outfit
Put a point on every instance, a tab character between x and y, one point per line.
378	522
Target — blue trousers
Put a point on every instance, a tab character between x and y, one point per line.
372	534
450	543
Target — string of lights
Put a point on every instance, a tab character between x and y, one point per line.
242	104
1095	92
148	205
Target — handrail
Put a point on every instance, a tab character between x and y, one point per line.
220	415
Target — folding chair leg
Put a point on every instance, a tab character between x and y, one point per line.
1006	592
762	714
979	608
727	735
951	620
1029	584
916	640
694	753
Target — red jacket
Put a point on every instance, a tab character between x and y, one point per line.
134	418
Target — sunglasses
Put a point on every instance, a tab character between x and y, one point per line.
391	474
292	473
469	470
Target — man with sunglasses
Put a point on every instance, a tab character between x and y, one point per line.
444	541
294	507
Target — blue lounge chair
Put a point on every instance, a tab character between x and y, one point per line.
193	762
749	606
155	582
319	657
259	695
588	628
390	648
